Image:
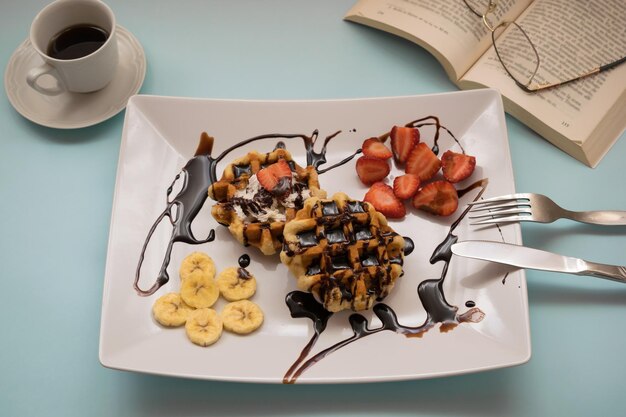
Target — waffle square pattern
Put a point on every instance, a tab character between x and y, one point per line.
343	251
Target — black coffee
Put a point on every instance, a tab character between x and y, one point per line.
77	41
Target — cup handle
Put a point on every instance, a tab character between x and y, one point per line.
33	76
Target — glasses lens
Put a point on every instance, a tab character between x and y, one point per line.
517	53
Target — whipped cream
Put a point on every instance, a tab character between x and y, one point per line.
255	207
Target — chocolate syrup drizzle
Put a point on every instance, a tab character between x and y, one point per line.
184	207
242	272
200	172
430	293
315	159
422	122
409	245
244	260
198	175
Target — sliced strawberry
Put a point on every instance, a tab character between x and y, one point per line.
267	179
381	196
439	197
405	186
276	177
403	140
371	170
376	149
280	169
422	162
457	166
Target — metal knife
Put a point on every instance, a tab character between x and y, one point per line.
524	257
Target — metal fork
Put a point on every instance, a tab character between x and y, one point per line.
531	207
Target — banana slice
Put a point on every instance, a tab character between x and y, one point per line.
204	326
236	284
242	317
170	310
199	291
197	263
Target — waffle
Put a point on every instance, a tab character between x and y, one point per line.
343	251
253	215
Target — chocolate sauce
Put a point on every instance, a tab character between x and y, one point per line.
409	245
248	207
478	184
339	262
430	293
336	236
422	122
307	239
239	170
369	259
330	209
355	207
282	188
212	171
314	268
242	273
362	233
198	174
342	162
303	305
186	204
244	260
315	159
438	126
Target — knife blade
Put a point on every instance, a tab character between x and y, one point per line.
530	258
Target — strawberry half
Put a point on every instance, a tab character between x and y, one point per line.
276	178
371	170
405	186
457	166
439	197
280	169
376	149
403	140
422	162
381	196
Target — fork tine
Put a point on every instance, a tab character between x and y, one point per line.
497	207
509	219
501	199
502	213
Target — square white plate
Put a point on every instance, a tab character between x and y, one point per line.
161	134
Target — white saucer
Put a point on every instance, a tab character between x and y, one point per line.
74	110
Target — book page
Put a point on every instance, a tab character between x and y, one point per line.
571	37
446	28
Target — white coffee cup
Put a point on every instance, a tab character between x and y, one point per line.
83	74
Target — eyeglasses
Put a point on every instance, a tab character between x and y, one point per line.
517	53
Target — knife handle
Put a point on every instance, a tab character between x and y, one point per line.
612	272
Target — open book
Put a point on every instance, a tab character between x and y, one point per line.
583	118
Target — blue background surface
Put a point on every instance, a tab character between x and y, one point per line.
58	187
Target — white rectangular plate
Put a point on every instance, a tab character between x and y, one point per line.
161	134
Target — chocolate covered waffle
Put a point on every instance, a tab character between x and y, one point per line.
343	251
258	193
